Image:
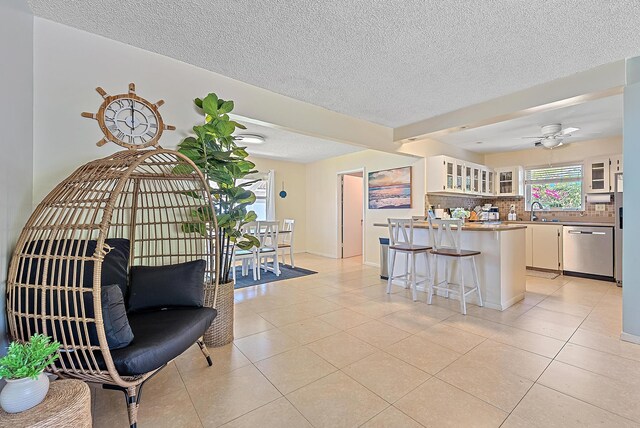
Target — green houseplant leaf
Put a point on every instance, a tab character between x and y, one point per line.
214	151
28	360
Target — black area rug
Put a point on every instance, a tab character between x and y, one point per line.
286	272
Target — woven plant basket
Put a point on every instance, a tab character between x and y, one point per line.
221	331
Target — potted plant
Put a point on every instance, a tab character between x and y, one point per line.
214	151
23	369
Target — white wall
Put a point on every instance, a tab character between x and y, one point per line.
16	136
322	200
631	244
70	63
575	152
294	205
322	193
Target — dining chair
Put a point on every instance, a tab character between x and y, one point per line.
286	243
247	256
447	246
268	249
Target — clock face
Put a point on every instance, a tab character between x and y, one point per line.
131	121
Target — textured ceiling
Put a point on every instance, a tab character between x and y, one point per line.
596	119
293	147
392	62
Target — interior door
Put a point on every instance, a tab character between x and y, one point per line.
352	200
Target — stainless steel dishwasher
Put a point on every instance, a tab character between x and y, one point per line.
588	251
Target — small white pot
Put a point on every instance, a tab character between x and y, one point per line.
19	395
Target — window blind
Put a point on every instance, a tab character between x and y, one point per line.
555	174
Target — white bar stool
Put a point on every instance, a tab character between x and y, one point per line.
452	252
401	240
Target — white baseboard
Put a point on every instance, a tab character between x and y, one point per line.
315	253
372	264
628	337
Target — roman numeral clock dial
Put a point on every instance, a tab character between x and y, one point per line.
129	120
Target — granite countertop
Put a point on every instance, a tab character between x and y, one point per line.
474	227
563	223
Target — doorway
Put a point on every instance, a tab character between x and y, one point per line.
351	213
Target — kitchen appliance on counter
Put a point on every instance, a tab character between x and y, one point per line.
494	214
588	251
618	229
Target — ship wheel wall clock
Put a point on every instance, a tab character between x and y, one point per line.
129	120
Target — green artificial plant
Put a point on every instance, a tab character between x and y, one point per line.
214	151
28	360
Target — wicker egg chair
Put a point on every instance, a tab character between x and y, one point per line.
154	200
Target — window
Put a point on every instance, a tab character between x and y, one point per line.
261	190
557	188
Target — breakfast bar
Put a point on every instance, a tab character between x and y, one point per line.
501	264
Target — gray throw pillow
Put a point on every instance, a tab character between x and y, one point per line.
114	315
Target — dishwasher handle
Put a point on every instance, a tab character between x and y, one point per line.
585	232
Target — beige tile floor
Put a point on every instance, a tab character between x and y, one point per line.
334	350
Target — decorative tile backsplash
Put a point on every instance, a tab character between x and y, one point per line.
504	204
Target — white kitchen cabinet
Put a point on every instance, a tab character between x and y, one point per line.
544	246
596	174
468	179
615	167
441	174
459	176
509	181
490	177
529	246
476	179
454	176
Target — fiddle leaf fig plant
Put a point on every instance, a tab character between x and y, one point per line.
214	151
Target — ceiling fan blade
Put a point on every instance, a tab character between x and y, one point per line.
537	138
568	130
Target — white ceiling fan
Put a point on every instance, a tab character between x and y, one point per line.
553	135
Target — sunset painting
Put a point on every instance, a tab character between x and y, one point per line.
390	188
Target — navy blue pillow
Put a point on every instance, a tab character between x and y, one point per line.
171	286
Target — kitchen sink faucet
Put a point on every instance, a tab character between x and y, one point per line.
533	211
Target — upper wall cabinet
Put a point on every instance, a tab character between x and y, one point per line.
509	181
596	175
457	177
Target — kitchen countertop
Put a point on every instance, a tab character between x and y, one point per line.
473	227
563	223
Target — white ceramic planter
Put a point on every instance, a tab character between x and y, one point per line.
19	395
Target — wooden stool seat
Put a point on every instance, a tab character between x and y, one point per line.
408	247
451	252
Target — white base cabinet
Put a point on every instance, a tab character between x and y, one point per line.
544	246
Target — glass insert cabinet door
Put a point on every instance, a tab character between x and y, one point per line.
505	185
484	182
598	176
476	180
491	184
450	179
468	179
459	176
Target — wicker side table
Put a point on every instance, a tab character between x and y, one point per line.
67	404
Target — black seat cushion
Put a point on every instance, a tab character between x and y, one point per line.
159	337
170	286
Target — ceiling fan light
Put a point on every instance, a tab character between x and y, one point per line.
249	139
